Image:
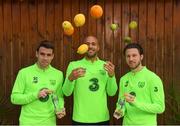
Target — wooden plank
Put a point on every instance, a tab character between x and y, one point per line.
143	27
16	37
2	62
118	51
150	46
58	31
125	32
83	31
33	42
71	44
25	34
67	40
176	60
159	39
101	30
2	51
117	37
109	43
92	23
134	5
109	40
16	51
50	20
8	63
76	40
168	60
20	27
41	18
8	66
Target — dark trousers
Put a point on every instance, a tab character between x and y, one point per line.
99	123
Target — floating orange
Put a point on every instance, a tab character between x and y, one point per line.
69	31
79	20
82	49
66	25
96	11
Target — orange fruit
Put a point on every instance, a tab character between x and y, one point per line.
69	31
96	11
66	25
79	20
82	49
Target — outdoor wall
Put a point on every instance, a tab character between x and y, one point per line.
23	23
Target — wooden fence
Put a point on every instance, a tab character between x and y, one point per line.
23	23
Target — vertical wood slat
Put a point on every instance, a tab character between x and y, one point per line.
23	24
8	63
101	29
25	34
50	19
92	23
108	43
159	39
134	17
16	49
16	37
150	42
33	23
41	19
8	66
168	59
118	39
59	47
83	7
176	61
143	26
67	40
2	74
125	30
58	34
68	15
76	39
83	31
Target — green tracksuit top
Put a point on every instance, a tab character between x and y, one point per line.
29	82
147	88
90	92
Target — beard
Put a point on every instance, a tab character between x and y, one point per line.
138	64
91	56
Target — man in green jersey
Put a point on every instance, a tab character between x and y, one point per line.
35	88
90	80
141	95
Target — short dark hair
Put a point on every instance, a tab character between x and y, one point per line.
46	44
134	45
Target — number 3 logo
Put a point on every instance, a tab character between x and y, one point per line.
94	86
155	89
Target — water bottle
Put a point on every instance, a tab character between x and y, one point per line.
55	101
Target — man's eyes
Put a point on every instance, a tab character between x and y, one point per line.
43	54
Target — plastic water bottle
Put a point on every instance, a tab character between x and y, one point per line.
55	101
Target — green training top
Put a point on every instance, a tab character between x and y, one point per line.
29	82
147	88
90	92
